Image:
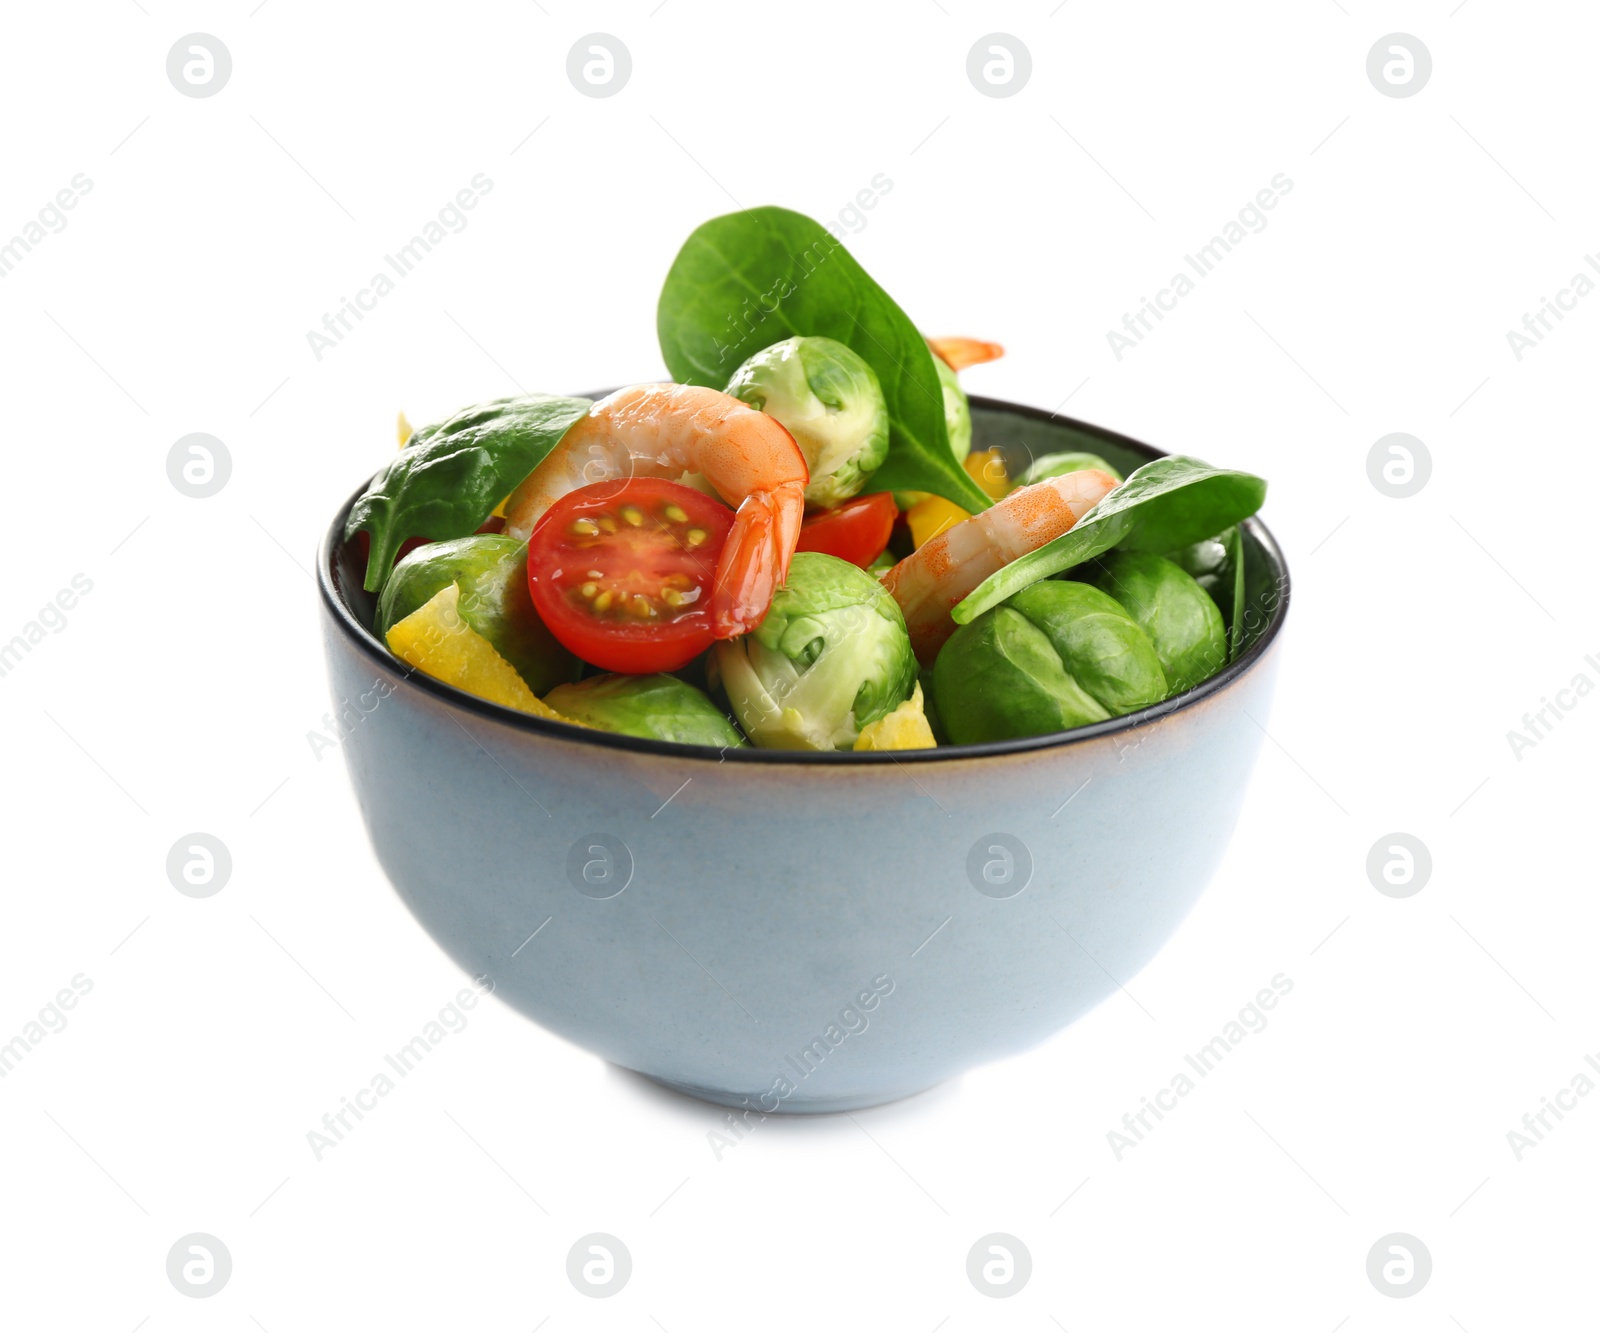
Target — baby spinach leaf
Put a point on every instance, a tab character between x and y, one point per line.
1168	503
746	280
1233	540
451	475
1179	500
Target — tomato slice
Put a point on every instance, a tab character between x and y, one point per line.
857	531
621	572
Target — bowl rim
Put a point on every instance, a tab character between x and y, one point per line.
368	643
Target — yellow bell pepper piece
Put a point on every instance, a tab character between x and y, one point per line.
928	518
987	467
933	513
435	639
906	728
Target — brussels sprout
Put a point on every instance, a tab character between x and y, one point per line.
1217	565
957	415
1058	465
1053	656
831	656
660	707
1205	562
492	573
1182	621
830	400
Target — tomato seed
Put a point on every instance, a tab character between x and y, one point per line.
584	527
674	514
631	516
695	536
590	590
603	601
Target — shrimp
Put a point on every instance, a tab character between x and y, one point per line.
945	568
667	430
959	353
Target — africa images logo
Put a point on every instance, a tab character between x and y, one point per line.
851	1021
1250	220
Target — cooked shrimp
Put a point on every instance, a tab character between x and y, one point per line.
666	430
945	568
959	353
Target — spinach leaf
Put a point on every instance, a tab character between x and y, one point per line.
746	280
1168	503
1233	540
451	475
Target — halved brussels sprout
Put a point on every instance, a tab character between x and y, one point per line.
957	414
657	707
1217	565
1182	621
831	656
1206	561
830	400
492	573
1058	465
1054	656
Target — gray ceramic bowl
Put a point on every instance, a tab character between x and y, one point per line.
801	932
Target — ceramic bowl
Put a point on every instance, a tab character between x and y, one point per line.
794	932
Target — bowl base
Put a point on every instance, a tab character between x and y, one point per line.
795	1105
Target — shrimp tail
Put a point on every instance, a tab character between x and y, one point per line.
755	558
959	353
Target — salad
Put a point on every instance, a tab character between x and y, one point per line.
793	544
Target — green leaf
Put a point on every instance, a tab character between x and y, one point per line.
746	280
1233	541
1168	503
451	475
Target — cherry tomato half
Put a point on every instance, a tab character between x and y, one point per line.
621	572
857	531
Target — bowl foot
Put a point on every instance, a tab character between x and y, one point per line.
793	1105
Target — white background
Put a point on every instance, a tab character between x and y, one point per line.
179	695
